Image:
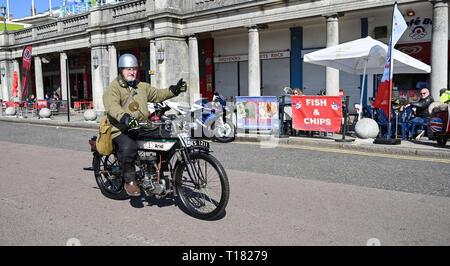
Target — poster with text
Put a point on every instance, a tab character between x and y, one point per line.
317	113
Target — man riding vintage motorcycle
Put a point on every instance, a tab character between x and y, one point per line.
126	88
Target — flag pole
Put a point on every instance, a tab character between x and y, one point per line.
391	73
398	28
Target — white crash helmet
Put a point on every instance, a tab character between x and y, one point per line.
127	60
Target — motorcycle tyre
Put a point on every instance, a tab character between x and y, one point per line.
442	140
121	194
225	187
224	139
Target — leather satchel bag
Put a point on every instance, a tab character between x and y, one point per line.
103	142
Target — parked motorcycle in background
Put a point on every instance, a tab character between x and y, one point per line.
439	124
209	120
223	125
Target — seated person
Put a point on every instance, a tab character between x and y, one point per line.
421	111
55	97
297	92
31	99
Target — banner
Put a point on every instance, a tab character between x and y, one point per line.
384	94
317	113
257	112
26	65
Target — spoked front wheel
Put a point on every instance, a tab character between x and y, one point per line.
107	176
223	131
204	194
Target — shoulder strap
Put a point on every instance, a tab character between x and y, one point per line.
129	99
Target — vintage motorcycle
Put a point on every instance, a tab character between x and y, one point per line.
178	166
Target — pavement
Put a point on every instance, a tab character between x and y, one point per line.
421	148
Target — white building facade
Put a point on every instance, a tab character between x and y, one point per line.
236	47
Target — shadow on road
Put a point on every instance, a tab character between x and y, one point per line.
138	202
431	144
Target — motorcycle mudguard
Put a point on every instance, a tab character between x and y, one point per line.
436	125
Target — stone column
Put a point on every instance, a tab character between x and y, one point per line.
6	90
254	73
100	76
113	70
174	66
64	76
38	78
439	48
332	74
153	63
194	71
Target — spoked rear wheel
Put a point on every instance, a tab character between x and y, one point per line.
206	197
107	176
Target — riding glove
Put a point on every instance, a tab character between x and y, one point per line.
129	121
179	88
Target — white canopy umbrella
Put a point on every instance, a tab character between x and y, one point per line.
364	56
366	53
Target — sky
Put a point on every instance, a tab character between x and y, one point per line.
22	8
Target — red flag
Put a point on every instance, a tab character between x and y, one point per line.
26	65
383	94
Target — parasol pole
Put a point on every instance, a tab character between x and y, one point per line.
362	90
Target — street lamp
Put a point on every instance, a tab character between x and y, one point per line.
4	17
160	55
95	61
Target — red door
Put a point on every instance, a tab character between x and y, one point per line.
207	78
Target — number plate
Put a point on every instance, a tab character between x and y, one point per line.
198	142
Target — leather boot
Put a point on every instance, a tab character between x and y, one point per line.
132	189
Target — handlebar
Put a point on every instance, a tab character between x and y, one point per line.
146	125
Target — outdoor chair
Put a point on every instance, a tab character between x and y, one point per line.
368	111
381	118
41	104
403	117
